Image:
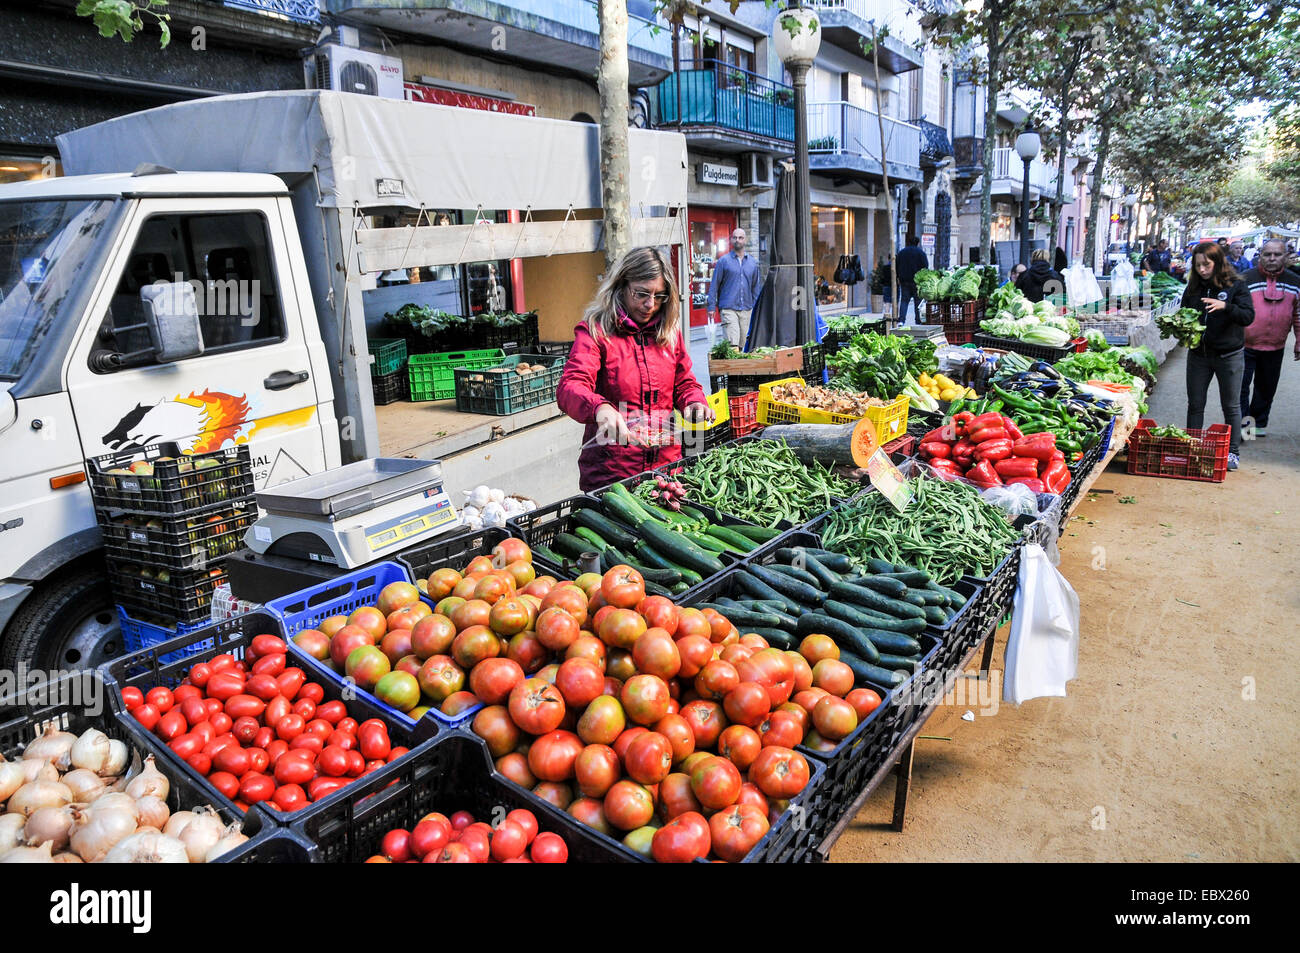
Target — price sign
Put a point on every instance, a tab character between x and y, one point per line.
887	479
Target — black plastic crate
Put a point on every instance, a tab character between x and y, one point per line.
1039	352
501	391
390	388
146	669
183	597
519	338
458	549
698	442
539	527
996	597
454	774
80	701
174	483
746	383
921	422
561	348
814	363
188	542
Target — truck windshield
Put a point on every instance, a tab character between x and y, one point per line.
44	245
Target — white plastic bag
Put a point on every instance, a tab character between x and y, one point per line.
1043	647
1081	286
1121	280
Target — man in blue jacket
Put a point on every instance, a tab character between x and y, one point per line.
734	289
910	260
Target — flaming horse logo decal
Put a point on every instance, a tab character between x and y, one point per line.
225	418
200	422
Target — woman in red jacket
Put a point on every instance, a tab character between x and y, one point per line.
628	370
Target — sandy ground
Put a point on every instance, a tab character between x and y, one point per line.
1177	742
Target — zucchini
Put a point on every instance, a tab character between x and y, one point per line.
888	623
894	643
883	585
607	560
867	672
592	537
853	615
777	638
570	545
928	597
874	600
652	557
743	617
846	636
936	616
913	577
825	575
614	533
623	511
757	587
791	588
692	513
707	542
836	561
548	554
679	549
654	589
899	663
912	597
794	573
724	533
668	517
759	534
879	565
678	588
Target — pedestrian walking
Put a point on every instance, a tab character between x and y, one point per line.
1041	279
1275	295
1226	310
1237	258
1158	258
734	289
910	260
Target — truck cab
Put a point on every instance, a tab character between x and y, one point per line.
84	371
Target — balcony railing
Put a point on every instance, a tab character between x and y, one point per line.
300	11
840	127
900	16
1008	165
714	93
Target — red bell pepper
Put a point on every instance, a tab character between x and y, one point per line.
1058	454
994	449
989	433
1016	467
983	420
935	449
945	434
983	475
962	420
1056	476
945	469
1012	429
1040	446
1033	483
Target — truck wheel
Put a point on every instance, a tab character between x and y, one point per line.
66	624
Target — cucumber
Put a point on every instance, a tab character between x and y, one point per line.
913	577
955	598
888	623
679	549
883	585
743	617
899	663
846	636
654	589
894	643
867	672
879	565
777	638
912	597
707	542
936	616
791	588
651	556
678	588
692	513
825	575
836	561
757	587
794	573
668	517
607	559
548	554
613	533
592	537
570	545
759	534
928	597
725	533
850	613
874	600
620	509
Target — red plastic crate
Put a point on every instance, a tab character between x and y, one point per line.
961	320
1204	457
904	445
1080	345
744	414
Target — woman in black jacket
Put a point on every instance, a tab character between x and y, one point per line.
1223	301
1041	279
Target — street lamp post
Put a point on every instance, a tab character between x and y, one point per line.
1027	146
1130	201
797	35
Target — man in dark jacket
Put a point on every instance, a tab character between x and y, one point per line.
1158	258
1041	279
910	260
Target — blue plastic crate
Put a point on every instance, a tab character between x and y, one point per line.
308	608
138	635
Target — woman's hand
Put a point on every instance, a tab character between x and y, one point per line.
611	428
698	413
1213	304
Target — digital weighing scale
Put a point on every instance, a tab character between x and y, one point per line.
355	514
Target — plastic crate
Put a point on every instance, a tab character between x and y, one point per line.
833	340
454	774
184	597
456	551
814	362
146	669
903	446
390	388
996	596
433	376
744	414
309	607
521	338
499	390
389	355
961	320
890	420
138	635
1040	352
64	705
179	483
921	422
192	541
697	443
560	348
738	384
1203	458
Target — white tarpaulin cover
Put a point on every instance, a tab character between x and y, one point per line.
385	152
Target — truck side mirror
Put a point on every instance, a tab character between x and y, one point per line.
172	316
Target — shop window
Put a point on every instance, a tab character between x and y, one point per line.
832	239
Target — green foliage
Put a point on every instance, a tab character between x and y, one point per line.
124	18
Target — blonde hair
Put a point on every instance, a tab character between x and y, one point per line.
1039	254
637	264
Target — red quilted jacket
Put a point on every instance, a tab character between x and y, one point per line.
638	377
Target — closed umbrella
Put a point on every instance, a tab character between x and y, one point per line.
773	323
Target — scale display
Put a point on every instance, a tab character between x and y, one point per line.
381	538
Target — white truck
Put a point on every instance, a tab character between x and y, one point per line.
269	225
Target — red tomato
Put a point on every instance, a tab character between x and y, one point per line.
214	706
629	805
591	812
347	724
332	711
580	681
225	684
494	725
291	770
735	830
596	769
478	845
200	762
318	728
333	761
240	706
263	738
305	742
779	772
256	787
623	587
146	714
677	730
271	665
716	782
132	698
374	744
199	675
429	837
716	679
659	613
161	698
552	756
194	711
492	680
649	760
225	782
864	702
537	707
706	720
341	739
747	704
645	699
313	692
263	686
740	745
289	727
508	841
222	663
321	788
356	764
682	839
751	794
171	725
548	848
834	718
268	645
221	723
290	681
289	797
525	819
232	759
258	760
782	728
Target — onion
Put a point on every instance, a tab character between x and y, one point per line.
67	857
38	771
98	830
152	812
53	746
52	824
150	847
231	839
11	830
12	777
97	752
85	785
150	781
28	855
176	823
114	800
201	834
38	794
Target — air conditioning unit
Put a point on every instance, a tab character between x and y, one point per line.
349	70
756	171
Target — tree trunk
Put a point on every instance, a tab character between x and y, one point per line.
990	136
615	173
1063	142
1099	172
895	286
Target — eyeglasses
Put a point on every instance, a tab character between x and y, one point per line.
641	297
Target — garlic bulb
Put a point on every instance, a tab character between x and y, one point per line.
28	855
49	824
11	831
497	496
85	785
479	497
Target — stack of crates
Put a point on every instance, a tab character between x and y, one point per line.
169	522
388	372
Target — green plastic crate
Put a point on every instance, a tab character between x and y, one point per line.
500	390
432	376
389	355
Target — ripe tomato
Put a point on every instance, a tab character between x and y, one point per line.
833	676
478	843
603	721
624	741
649	760
706	720
225	782
552	756
834	718
494	725
241	706
537	707
645	698
333	761
620	628
596	769
200	762
557	629
747	704
740	745
493	679
676	796
735	830
429	837
524	649
629	805
525	819
294	770
161	698
147	715
474	644
808	699
273	665
781	728
692	622
682	839
695	651
678	731
233	759
659	613
560	795
548	848
569	598
509	616
735	654
374	744
591	812
719	626
256	787
656	653
171	725
864	702
623	587
290	681
752	795
779	772
514	767
509	840
716	782
440	677
579	682
716	680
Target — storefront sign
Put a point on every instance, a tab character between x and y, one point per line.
715	173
